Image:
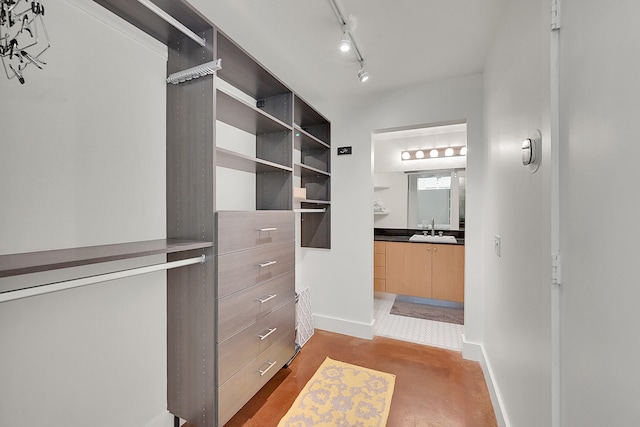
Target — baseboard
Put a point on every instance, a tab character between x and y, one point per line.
475	351
165	419
344	326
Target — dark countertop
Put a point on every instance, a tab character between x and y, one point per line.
403	235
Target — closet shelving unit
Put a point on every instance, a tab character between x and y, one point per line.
312	133
267	117
285	128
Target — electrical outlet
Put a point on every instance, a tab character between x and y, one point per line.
497	245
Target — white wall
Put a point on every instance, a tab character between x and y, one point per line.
600	89
517	340
83	163
341	279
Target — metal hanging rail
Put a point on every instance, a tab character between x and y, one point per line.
90	280
173	21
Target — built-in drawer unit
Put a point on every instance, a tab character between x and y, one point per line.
243	269
241	309
240	349
255	301
233	394
239	230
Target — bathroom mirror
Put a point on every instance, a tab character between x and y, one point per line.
438	197
399	203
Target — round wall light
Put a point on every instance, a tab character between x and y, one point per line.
531	152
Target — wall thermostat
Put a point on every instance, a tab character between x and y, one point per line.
531	152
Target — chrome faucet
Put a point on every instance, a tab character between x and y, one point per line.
433	226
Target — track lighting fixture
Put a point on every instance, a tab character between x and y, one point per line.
347	43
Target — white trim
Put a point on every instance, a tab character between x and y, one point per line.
471	351
554	81
475	351
165	419
344	326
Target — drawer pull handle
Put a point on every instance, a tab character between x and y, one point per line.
270	297
271	364
272	330
267	264
267	229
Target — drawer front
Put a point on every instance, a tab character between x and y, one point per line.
242	348
238	230
241	270
236	392
379	247
241	309
379	272
379	260
380	285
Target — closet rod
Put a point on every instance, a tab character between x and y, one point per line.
90	280
173	21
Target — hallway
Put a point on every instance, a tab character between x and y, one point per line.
434	387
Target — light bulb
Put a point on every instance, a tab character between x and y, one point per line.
345	43
433	153
419	154
406	155
448	152
463	151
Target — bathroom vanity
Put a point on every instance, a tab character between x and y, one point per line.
420	269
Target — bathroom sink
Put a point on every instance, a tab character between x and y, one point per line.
432	239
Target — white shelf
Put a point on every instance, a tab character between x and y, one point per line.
382	213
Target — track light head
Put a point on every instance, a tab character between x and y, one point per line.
345	42
363	75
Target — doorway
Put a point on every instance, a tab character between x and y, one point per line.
419	176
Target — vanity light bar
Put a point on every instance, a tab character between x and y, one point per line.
432	153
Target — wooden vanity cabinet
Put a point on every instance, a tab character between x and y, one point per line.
409	269
425	270
447	272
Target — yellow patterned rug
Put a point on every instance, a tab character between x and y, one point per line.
340	394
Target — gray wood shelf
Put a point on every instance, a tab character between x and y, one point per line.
305	141
306	170
34	262
232	160
241	115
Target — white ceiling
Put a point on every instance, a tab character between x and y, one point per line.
403	42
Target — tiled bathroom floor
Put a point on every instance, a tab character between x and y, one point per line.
420	331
